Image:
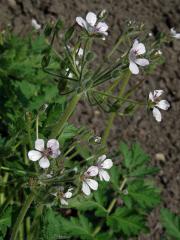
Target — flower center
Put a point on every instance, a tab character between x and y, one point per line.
47	152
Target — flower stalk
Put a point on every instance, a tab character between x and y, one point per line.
58	128
21	216
113	114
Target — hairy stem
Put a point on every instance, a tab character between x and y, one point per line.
21	216
113	114
58	128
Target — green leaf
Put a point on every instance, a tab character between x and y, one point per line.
52	227
69	132
133	157
143	171
146	196
78	227
87	205
5	221
126	222
171	223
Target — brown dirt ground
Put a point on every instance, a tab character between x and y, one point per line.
158	15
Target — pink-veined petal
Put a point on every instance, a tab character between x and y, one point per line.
163	104
93	184
157	93
140	49
133	68
104	175
39	145
107	164
157	114
34	155
55	153
135	44
53	144
102	158
44	162
86	189
91	18
102	27
81	22
142	62
92	171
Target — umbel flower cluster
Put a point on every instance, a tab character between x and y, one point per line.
137	59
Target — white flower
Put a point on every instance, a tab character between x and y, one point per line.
63	196
41	153
162	104
136	50
92	25
104	163
89	183
174	33
35	25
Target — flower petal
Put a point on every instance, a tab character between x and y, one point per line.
142	62
81	22
140	49
86	189
39	145
55	153
35	24
107	164
157	114
63	201
34	155
135	44
133	68
92	171
151	96
91	18
163	104
157	93
102	158
53	144
177	36
44	162
104	175
173	31
102	27
68	194
92	183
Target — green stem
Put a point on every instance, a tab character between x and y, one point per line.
21	216
29	132
37	126
113	114
120	40
109	209
58	128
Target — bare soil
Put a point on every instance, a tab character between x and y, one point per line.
163	138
